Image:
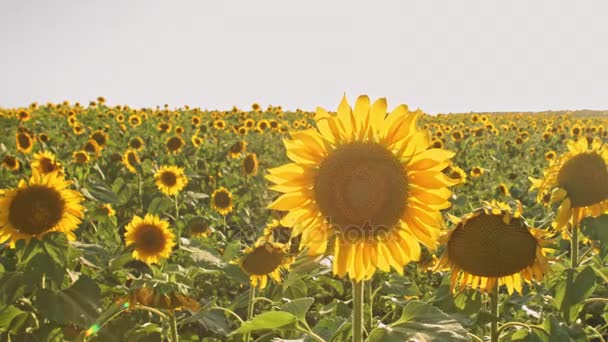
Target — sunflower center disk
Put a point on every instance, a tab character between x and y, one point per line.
485	246
36	210
47	165
168	178
262	261
361	188
585	178
222	200
150	239
24	141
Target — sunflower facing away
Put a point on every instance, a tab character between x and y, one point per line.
42	205
44	162
579	180
151	238
221	201
250	165
493	244
170	180
265	259
367	179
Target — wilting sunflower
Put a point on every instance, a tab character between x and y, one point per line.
550	155
237	149
163	296
131	160
476	172
175	144
579	180
368	179
493	244
250	165
151	238
170	180
10	163
42	205
80	157
137	143
221	201
45	162
100	137
25	142
265	259
199	227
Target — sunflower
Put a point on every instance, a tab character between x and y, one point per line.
550	155
107	209
170	180
80	157
493	245
250	165
368	180
196	141
276	232
221	201
579	180
163	127
199	227
196	121
265	259
25	142
136	143
457	135
43	138
437	143
100	137
131	160
120	118
164	296
134	120
237	149
263	125
476	172
24	115
92	147
456	173
503	189
42	205
151	238
219	124
249	123
175	144
44	162
78	129
10	163
179	130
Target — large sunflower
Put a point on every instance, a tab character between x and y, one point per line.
493	244
45	162
221	201
368	179
42	205
151	237
579	180
265	259
170	180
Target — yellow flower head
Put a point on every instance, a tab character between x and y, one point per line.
221	201
151	238
44	162
170	180
250	165
265	259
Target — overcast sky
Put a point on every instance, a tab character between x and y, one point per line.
440	56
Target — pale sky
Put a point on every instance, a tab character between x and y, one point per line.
440	56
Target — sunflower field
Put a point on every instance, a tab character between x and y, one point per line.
358	223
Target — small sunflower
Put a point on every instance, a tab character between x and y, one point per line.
175	144
493	244
237	149
263	125
263	260
249	123
10	163
163	127
179	130
136	143
219	124
131	160
250	165
107	209
25	142
170	180
476	172
199	227
24	115
151	238
550	155
44	162
134	120
42	205
503	189
43	137
456	173
100	137
367	182
221	201
80	157
276	232
92	147
579	180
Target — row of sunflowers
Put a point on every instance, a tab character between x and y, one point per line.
360	224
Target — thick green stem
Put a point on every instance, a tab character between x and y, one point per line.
139	190
173	324
250	308
574	247
371	304
494	311
357	311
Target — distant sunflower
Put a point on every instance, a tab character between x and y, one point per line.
579	180
492	244
221	201
250	165
42	205
80	157
476	172
25	142
170	180
437	143
237	149
151	238
131	160
503	189
45	162
199	227
163	127
78	129
263	125
10	163
92	147
550	155
276	232
196	141
196	121
100	137
24	115
136	143
219	124
457	135
107	209
43	138
370	181
134	120
457	173
263	260
179	130
175	144
249	123
242	131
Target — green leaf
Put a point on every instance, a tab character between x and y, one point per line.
421	322
596	228
557	331
295	289
159	205
298	307
330	328
570	293
266	321
12	319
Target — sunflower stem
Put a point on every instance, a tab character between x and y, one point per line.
357	311
173	324
494	311
176	207
371	304
574	247
250	309
141	201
